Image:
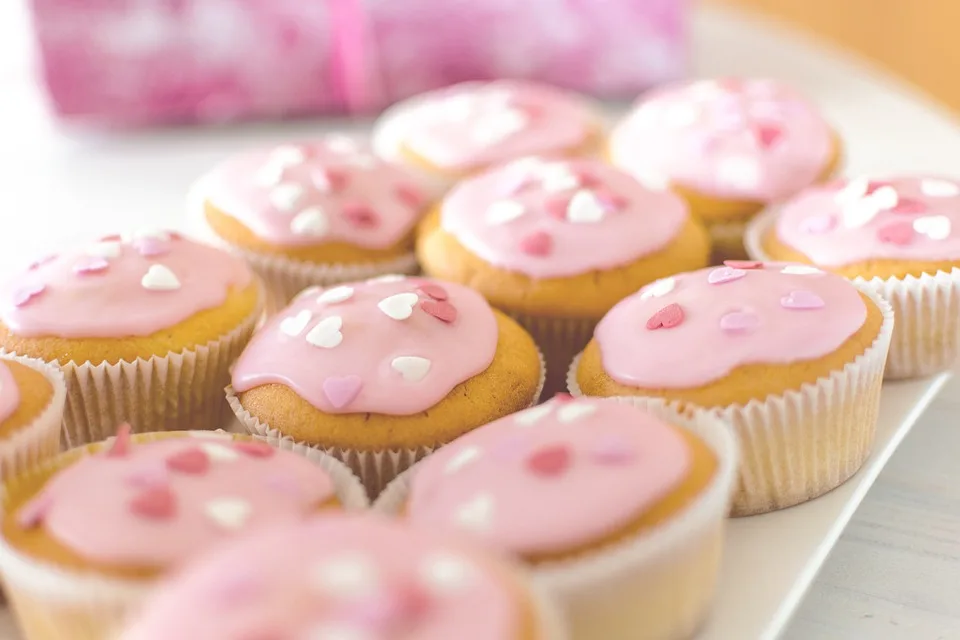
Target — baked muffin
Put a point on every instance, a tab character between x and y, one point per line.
144	328
897	237
729	146
555	244
349	576
651	488
32	394
86	535
379	373
452	132
315	213
788	354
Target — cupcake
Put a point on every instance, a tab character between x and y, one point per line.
379	373
618	507
556	244
729	147
32	395
313	214
899	238
143	327
788	354
86	535
351	577
452	132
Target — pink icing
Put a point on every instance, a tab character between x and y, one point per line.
9	393
74	295
147	506
908	218
341	576
379	346
739	139
554	219
772	314
331	190
474	124
512	482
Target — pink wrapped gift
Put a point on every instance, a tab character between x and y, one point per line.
151	61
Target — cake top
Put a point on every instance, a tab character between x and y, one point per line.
907	218
474	124
512	482
156	503
121	286
331	190
355	577
734	138
549	219
695	328
9	393
392	345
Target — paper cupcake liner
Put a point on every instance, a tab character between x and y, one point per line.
54	602
39	440
803	443
726	240
374	468
926	339
661	581
559	339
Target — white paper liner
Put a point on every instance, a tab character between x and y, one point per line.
803	443
661	582
926	339
40	439
558	339
374	468
52	602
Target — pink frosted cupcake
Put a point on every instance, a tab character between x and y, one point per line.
32	395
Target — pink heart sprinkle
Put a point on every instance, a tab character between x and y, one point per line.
667	318
587	180
390	608
743	264
329	179
190	461
556	207
361	216
610	201
149	477
899	233
816	225
768	135
254	448
434	291
802	300
342	390
551	460
538	244
42	261
612	450
725	274
90	265
409	195
909	206
151	247
121	442
25	294
33	513
157	503
440	309
739	321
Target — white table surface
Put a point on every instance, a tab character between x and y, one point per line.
895	574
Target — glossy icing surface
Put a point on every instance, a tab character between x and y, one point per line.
331	190
158	503
695	328
391	345
735	138
9	393
512	483
907	218
549	219
343	577
119	287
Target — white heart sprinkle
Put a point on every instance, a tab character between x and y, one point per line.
412	368
390	277
855	190
574	411
658	288
939	188
269	175
399	306
338	631
160	278
294	325
285	196
532	415
885	198
858	213
218	452
800	270
464	456
326	334
585	208
335	295
446	571
558	177
476	514
499	126
309	292
229	513
934	227
504	211
321	180
739	171
310	222
351	573
341	144
106	250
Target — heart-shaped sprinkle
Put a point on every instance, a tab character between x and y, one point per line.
293	325
939	188
192	461
409	195
342	390
412	368
156	234
477	514
768	135
440	309
934	227
154	503
532	415
558	177
721	275
853	191
151	247
584	208
31	515
562	397
898	233
739	321
120	445
351	573
612	450
160	278
399	306
610	201
550	460
285	196
269	175
556	206
23	295
361	216
390	277
908	206
658	288
326	334
147	477
36	264
666	318
220	451
229	513
859	213
572	411
446	572
817	225
254	448
743	264
328	179
309	292
108	250
433	290
801	270
310	222
90	265
461	458
335	295
538	244
503	211
884	198
802	300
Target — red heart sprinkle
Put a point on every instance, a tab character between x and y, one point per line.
360	215
538	244
743	264
899	233
768	135
549	461
908	206
587	180
254	448
667	318
121	442
563	397
336	178
192	461
556	207
409	195
157	503
440	309
611	201
435	291
174	235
